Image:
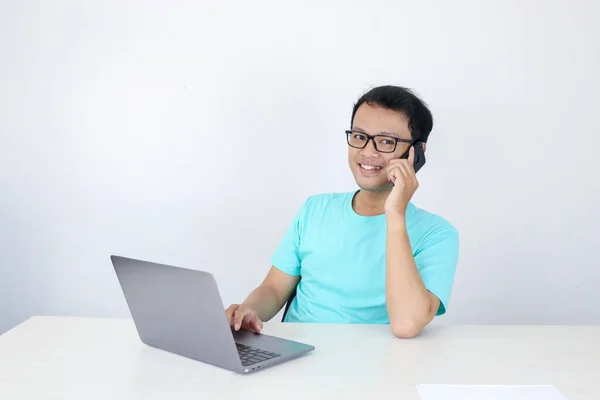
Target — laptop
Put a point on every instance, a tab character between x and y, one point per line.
180	310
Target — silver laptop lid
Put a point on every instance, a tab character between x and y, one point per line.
178	310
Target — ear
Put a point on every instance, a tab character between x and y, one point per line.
424	147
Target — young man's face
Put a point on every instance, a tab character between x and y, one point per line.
369	165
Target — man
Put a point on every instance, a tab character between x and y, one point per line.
368	256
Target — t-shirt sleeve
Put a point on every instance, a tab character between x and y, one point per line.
436	261
286	257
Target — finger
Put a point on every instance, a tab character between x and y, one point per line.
394	163
395	173
405	170
255	323
251	322
411	155
230	311
238	317
409	162
247	321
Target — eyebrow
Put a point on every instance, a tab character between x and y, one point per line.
393	134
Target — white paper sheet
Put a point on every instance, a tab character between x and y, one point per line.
476	392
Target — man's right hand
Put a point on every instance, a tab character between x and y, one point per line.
242	316
265	300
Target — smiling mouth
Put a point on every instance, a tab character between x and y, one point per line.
370	168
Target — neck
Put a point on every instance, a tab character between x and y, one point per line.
370	203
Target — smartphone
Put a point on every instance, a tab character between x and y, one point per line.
419	155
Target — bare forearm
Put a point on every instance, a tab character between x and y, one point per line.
265	301
408	301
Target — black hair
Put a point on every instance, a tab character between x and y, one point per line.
397	98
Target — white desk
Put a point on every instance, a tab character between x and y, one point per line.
89	358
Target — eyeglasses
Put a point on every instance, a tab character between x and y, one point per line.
382	143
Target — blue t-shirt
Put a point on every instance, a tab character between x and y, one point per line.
340	257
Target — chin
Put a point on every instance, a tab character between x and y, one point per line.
371	184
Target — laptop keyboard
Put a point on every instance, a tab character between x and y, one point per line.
250	355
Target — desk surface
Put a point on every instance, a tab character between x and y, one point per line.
89	358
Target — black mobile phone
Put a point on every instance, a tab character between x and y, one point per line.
419	155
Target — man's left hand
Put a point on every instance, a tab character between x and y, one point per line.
402	174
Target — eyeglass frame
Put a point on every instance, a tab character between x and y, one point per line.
372	137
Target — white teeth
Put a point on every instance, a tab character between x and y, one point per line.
370	167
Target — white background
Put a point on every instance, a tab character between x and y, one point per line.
190	132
